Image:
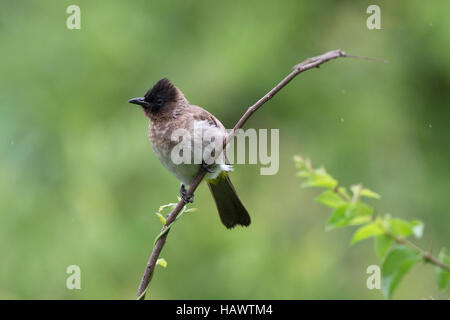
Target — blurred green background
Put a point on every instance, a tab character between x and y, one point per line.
79	183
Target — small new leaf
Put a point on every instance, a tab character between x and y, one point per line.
382	245
331	199
320	178
369	230
400	227
396	264
190	210
359	209
369	194
349	214
162	262
169	205
338	218
161	218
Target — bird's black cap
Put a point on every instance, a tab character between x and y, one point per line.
161	93
163	89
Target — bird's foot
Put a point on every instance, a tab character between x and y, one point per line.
187	199
207	167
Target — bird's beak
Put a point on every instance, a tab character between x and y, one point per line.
139	101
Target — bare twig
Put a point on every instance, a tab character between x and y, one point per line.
299	68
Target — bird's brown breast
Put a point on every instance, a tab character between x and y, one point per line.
163	124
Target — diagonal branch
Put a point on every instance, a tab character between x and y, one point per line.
426	256
310	63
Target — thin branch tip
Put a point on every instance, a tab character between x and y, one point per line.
366	58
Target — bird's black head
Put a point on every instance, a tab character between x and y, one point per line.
155	98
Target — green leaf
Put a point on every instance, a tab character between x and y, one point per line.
331	199
403	228
320	178
161	218
369	230
169	205
190	210
397	263
349	214
359	209
338	218
400	227
382	245
360	220
442	274
162	262
369	194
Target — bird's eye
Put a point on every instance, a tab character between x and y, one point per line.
159	102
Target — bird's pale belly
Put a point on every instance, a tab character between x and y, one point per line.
184	172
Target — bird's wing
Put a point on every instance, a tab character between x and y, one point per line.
210	123
200	114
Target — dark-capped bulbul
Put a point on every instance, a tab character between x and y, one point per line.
168	110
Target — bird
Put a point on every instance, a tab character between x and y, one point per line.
169	111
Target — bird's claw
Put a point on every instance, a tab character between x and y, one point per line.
187	199
207	167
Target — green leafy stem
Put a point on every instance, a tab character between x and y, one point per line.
398	254
161	261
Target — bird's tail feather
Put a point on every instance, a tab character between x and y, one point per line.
231	210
